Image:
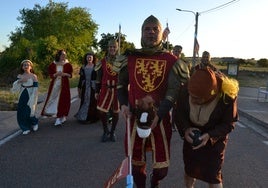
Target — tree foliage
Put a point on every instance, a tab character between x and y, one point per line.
262	62
103	43
46	29
241	62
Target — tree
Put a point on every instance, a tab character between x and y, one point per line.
241	62
103	43
262	62
168	46
46	29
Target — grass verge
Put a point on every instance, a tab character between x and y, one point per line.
9	99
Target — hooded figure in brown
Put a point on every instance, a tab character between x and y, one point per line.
206	115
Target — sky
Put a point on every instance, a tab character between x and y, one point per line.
237	30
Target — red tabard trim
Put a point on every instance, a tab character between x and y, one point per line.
108	92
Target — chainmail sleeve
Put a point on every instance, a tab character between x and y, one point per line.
178	76
98	72
120	67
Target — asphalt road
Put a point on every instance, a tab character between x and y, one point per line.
73	156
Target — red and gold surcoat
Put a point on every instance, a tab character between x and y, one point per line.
149	76
108	92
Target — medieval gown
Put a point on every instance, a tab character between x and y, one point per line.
58	101
28	95
88	104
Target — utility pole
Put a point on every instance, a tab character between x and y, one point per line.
196	14
196	45
195	50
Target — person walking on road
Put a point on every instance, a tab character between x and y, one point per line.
106	92
58	101
86	90
207	113
27	87
177	51
205	62
149	79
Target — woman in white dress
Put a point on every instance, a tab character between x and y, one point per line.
27	87
58	101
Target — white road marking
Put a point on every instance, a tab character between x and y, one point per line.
255	128
10	137
241	125
265	142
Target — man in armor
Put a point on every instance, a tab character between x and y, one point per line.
155	75
106	92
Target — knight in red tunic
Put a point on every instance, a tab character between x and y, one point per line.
106	92
150	72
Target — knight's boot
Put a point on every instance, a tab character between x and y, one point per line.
112	136
139	176
157	175
114	123
105	135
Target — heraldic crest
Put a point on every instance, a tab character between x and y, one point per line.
149	73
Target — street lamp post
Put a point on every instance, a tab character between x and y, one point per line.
195	33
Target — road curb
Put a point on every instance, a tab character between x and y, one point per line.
18	131
252	118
